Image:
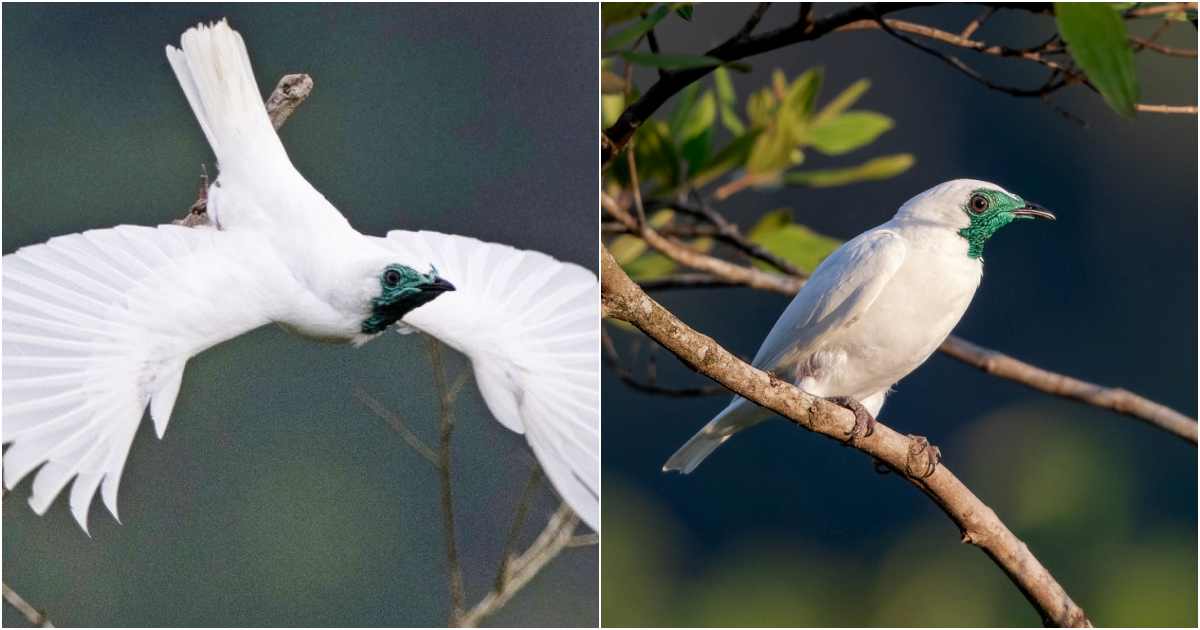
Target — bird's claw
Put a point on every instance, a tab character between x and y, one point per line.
933	455
864	422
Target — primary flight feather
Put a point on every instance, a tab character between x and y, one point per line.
99	325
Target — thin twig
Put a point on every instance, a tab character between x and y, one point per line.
398	424
518	522
558	535
978	523
1114	398
1158	10
627	377
457	593
35	616
1167	109
755	18
1159	48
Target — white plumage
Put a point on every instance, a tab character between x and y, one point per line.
99	325
877	307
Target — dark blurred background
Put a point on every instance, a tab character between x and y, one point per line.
782	527
276	497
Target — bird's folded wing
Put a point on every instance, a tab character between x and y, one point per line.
97	325
841	289
530	326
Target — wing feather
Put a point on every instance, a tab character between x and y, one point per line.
98	325
529	325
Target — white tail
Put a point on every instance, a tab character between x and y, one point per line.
740	414
214	71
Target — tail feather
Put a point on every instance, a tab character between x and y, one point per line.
214	71
740	414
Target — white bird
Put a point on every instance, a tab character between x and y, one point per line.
99	325
876	308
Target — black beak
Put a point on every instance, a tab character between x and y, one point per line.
441	285
1035	211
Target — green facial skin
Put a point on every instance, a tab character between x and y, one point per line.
1002	208
402	289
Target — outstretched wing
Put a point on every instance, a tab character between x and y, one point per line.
97	325
530	326
840	290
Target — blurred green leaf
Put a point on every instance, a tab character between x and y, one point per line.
685	11
670	61
802	95
1096	38
683	107
631	34
772	151
842	101
657	157
798	244
760	107
882	167
727	102
611	106
614	12
697	149
732	156
848	132
701	118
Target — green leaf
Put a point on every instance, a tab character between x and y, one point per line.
670	61
760	107
770	223
611	106
727	102
848	132
614	12
1096	38
842	101
802	95
685	12
798	244
877	168
657	157
732	156
683	107
696	150
631	34
702	117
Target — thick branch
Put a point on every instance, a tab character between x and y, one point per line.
1035	378
978	523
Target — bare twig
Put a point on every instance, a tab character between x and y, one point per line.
35	616
558	535
755	18
397	423
1140	43
627	377
978	523
1114	398
1167	109
518	522
1160	9
446	403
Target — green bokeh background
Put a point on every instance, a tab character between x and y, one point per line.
276	498
781	527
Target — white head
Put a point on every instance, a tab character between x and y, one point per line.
972	208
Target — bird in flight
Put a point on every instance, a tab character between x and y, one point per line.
98	326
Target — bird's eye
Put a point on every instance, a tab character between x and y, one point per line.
979	204
391	277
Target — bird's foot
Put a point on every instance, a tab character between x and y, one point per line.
932	456
864	422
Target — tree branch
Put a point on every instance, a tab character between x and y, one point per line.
1036	378
35	616
978	523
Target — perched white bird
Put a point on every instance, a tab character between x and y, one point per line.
876	308
99	325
